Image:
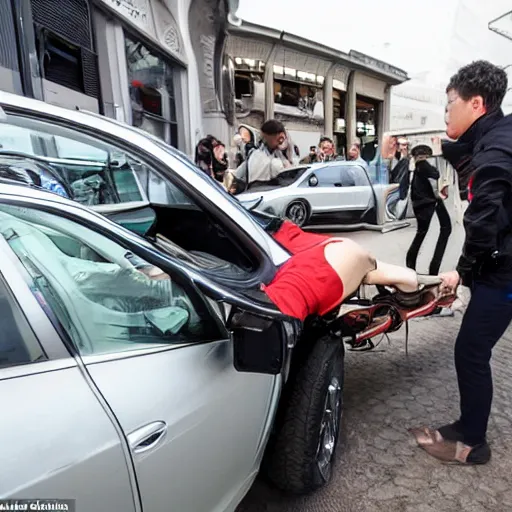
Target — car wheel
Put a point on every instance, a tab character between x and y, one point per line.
304	447
298	212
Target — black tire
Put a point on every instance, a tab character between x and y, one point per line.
293	463
298	211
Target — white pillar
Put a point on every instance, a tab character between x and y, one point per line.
350	110
328	103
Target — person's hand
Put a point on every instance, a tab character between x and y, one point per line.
450	281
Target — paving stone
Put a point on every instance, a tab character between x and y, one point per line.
388	491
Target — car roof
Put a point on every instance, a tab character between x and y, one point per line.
344	163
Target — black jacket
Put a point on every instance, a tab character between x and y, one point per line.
485	151
422	193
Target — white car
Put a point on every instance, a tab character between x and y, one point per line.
333	193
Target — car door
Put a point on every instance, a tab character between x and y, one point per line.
58	439
357	192
323	186
158	354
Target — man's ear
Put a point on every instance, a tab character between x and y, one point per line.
478	105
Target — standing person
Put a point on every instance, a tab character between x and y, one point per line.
325	152
312	156
211	157
265	162
401	170
354	155
425	202
484	136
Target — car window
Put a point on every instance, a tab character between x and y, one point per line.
290	176
328	176
159	190
353	176
104	297
67	162
18	343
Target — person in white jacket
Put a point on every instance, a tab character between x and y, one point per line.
274	154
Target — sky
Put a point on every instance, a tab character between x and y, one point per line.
428	39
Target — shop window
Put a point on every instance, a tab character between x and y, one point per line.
61	63
65	44
243	85
151	92
247	72
339	129
295	94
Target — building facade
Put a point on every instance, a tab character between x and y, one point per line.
183	68
314	90
150	63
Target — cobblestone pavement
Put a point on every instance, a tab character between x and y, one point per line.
378	467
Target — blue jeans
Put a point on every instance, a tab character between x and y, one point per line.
488	315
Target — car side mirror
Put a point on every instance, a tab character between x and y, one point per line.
313	181
259	343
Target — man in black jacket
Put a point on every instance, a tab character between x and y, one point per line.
484	143
426	202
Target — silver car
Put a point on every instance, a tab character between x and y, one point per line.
333	193
143	361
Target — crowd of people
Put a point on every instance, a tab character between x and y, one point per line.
261	161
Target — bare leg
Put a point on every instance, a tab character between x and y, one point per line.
355	265
386	274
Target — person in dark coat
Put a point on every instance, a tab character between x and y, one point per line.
425	202
483	151
211	157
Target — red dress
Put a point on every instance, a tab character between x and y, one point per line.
306	284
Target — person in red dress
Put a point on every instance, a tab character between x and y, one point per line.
324	270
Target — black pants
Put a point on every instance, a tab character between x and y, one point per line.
488	315
424	214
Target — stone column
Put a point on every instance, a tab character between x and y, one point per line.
328	103
350	110
268	79
385	117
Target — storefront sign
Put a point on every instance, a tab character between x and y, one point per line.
137	11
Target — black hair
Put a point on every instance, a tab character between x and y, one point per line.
480	78
272	127
421	150
325	139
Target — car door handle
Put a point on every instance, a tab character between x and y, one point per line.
147	437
